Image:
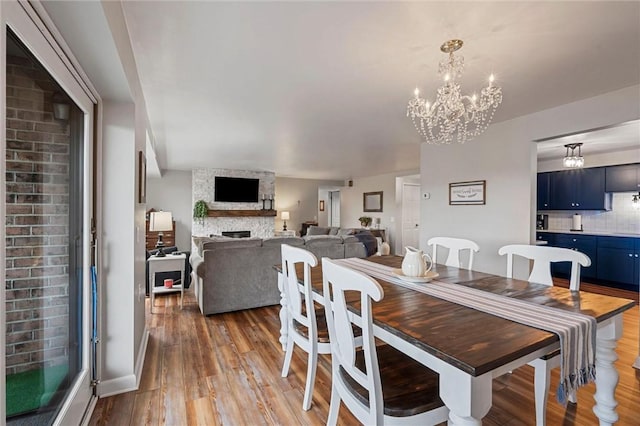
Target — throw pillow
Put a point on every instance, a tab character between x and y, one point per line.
317	230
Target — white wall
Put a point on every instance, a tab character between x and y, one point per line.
506	158
351	203
172	192
119	240
300	198
124	126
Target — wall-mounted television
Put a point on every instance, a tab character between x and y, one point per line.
236	190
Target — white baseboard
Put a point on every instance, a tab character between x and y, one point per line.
118	385
130	382
141	355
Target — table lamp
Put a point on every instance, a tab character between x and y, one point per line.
160	222
284	216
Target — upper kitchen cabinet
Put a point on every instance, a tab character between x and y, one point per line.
624	178
579	189
543	191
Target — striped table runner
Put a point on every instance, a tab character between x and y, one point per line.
577	332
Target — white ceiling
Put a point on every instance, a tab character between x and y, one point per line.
319	89
621	137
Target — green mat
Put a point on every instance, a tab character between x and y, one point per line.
28	391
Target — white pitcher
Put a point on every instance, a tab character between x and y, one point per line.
415	262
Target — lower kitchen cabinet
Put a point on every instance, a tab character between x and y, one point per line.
586	244
619	260
615	261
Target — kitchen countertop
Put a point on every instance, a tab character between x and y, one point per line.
597	233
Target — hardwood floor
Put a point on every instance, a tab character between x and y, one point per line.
225	369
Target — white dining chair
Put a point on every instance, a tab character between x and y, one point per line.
455	246
377	384
541	273
306	326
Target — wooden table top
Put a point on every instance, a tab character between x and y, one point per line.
473	341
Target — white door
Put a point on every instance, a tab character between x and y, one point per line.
410	215
334	201
53	361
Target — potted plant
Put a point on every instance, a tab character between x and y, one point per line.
200	211
365	221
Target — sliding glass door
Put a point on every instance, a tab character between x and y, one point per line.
47	297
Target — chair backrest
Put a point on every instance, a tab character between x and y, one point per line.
336	280
542	257
455	246
294	291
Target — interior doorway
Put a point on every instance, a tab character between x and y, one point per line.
334	209
410	215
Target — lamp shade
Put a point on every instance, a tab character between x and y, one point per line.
160	221
284	215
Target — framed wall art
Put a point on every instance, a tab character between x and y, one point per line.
468	193
372	201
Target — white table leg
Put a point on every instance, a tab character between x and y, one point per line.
283	312
606	373
468	398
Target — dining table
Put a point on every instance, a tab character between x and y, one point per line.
468	348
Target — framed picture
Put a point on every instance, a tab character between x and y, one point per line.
372	201
467	193
321	205
142	178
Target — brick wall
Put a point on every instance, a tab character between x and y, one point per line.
37	176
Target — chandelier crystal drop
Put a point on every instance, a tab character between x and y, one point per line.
453	116
573	160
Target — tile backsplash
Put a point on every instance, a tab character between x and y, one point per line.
622	218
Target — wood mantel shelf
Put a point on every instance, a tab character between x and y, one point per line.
242	213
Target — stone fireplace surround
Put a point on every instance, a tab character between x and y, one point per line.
203	185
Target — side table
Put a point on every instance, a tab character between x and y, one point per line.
167	263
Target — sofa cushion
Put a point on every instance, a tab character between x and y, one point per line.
334	230
350	239
317	230
232	243
346	231
276	241
322	239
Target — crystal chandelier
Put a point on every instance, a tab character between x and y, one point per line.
572	160
453	115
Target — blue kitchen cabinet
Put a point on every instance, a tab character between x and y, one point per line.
543	191
623	178
619	260
586	244
548	237
580	189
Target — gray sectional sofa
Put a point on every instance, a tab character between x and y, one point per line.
233	274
